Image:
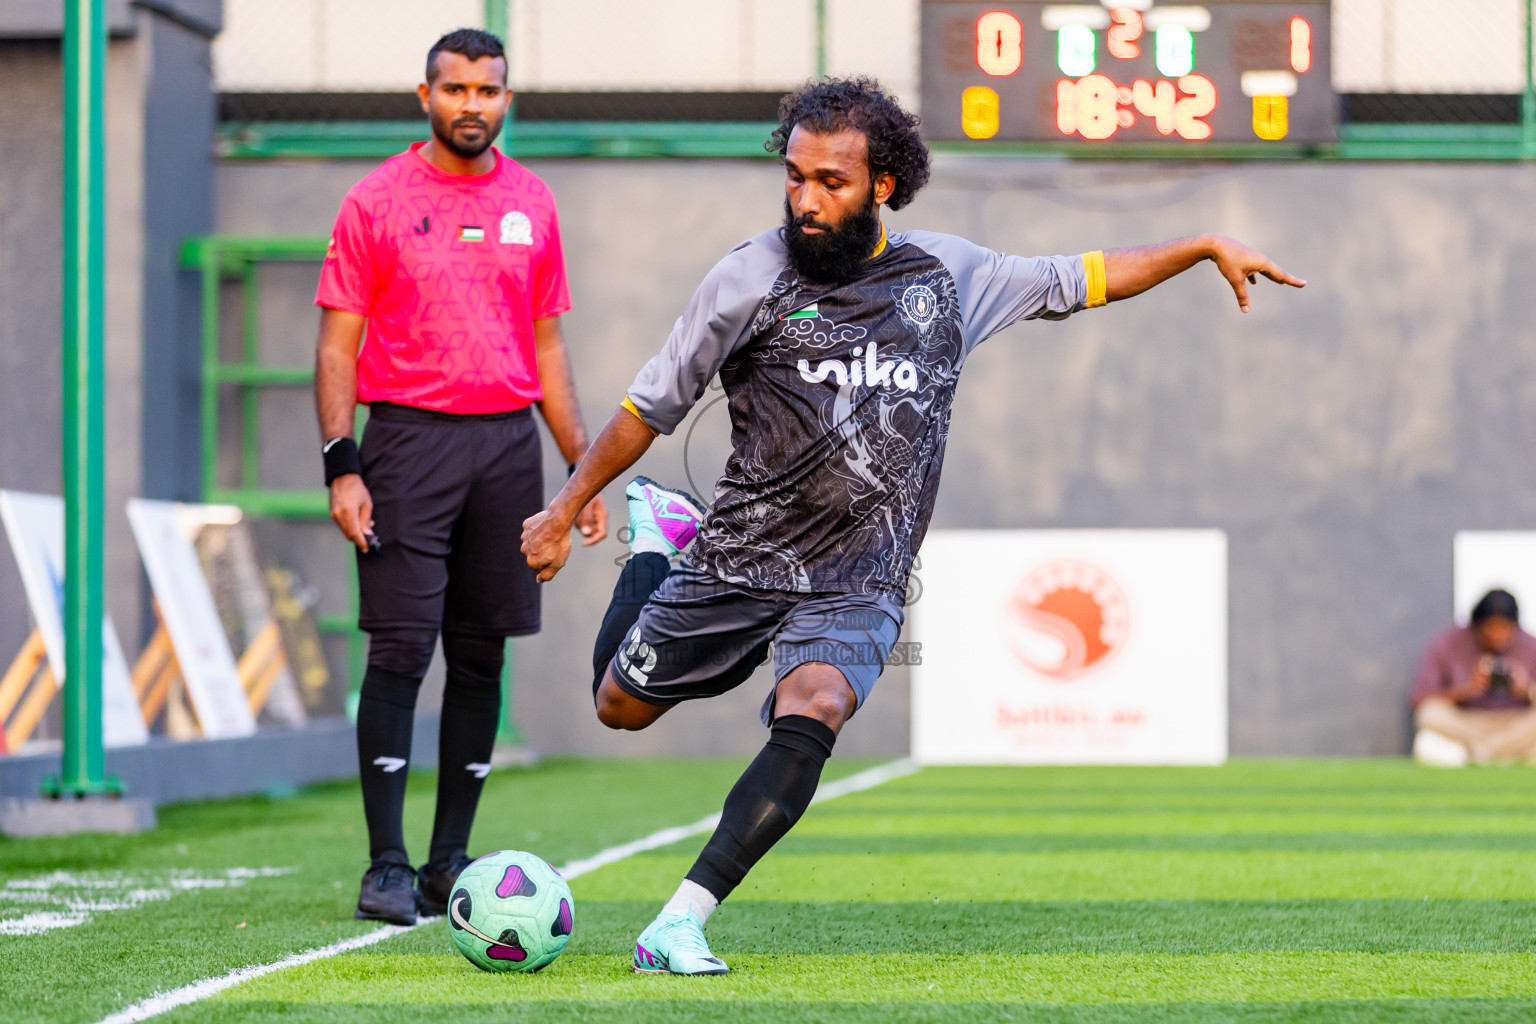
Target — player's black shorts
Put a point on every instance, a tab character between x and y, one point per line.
450	494
699	636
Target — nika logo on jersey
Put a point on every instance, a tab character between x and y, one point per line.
866	372
1065	618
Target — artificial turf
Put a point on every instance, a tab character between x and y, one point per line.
1257	892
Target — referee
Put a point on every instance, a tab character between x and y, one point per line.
450	254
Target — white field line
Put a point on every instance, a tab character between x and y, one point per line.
199	990
76	899
158	1004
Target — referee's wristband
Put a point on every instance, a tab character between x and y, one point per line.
340	454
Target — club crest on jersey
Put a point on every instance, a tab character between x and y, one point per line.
516	228
866	372
919	305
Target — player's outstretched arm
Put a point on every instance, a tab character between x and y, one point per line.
1129	272
547	535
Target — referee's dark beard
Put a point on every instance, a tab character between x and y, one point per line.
836	254
446	132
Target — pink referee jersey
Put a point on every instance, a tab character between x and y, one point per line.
451	271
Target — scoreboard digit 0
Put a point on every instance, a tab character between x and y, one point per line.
1137	70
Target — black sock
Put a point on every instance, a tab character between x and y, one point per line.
638	580
471	714
386	708
765	802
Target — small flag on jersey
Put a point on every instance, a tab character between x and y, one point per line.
801	314
470	233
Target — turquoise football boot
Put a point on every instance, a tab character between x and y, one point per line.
661	519
674	944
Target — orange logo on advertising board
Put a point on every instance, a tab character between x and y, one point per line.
1066	617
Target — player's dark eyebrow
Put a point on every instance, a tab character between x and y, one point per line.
491	87
820	172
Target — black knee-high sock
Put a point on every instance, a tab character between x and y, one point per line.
638	580
385	710
769	798
471	714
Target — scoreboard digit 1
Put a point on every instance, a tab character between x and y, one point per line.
1128	70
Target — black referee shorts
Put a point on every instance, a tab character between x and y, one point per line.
450	494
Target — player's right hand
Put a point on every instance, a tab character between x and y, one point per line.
352	509
547	543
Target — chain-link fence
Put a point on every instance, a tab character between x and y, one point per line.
362	59
303	60
1430	60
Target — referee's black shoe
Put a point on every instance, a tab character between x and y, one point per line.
389	894
435	883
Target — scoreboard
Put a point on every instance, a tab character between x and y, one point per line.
1216	72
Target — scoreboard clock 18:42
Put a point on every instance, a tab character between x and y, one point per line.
1128	70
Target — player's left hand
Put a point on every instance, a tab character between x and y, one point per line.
592	523
1241	266
547	543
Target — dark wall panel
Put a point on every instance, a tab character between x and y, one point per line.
31	261
179	119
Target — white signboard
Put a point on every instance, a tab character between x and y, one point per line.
35	525
1487	560
191	619
1071	647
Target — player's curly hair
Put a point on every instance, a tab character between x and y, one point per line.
832	104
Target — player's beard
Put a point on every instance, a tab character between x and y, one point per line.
837	253
444	131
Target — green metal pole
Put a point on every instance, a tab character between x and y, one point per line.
1528	99
250	395
497	23
85	50
496	18
821	38
507	732
211	271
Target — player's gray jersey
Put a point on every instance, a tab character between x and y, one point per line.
839	398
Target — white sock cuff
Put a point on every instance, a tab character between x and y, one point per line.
648	541
693	897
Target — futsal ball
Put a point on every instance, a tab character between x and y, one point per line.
510	911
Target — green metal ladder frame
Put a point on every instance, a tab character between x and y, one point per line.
220	258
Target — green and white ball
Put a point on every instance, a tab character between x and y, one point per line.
511	911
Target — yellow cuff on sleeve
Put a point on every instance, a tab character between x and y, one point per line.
627	404
1098	283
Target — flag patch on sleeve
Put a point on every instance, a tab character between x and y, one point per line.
470	233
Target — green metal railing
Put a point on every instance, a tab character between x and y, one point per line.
376	140
521	139
220	258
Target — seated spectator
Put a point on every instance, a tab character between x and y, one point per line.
1472	696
